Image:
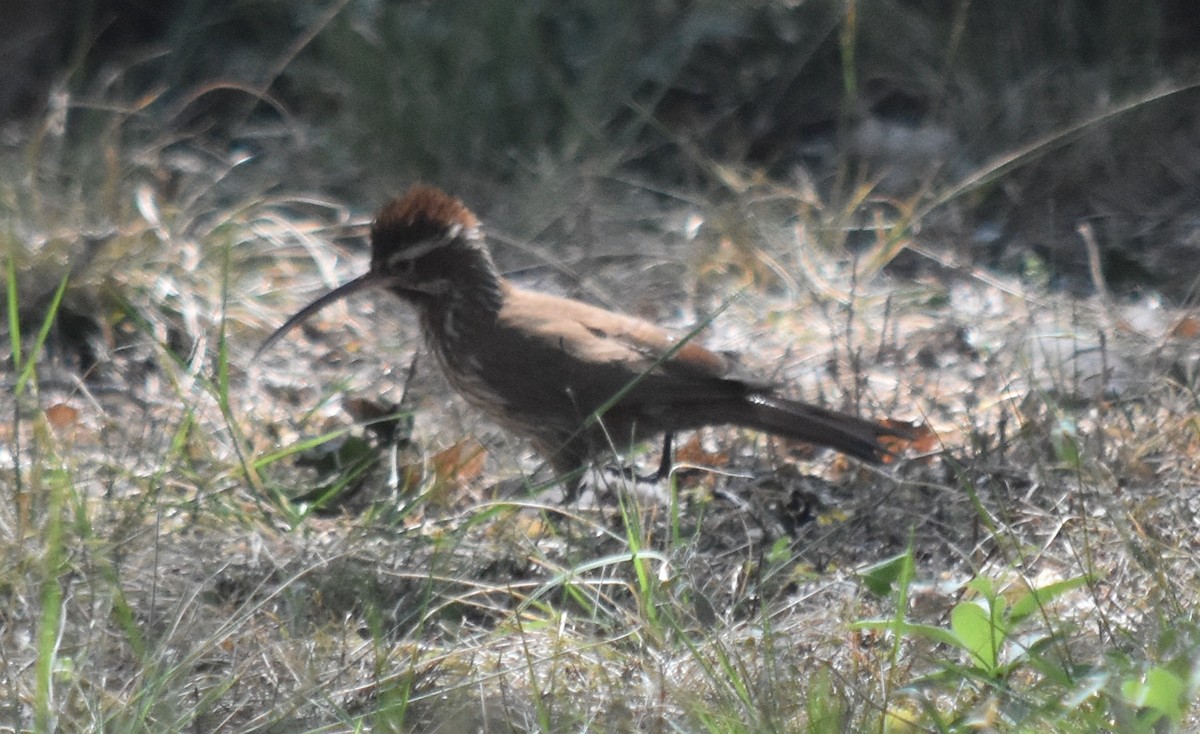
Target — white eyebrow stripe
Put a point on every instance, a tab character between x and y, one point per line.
424	247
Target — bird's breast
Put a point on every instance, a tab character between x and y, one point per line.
456	342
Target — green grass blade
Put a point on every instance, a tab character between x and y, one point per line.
43	332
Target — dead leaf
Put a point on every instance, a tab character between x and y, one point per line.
923	441
62	416
461	463
451	468
1187	327
64	421
693	452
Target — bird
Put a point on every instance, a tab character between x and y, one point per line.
577	380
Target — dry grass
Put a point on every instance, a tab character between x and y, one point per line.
160	577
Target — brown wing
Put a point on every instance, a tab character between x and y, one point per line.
593	334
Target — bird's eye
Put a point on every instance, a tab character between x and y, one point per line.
402	264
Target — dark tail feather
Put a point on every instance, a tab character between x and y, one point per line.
846	433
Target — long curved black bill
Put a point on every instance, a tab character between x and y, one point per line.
362	282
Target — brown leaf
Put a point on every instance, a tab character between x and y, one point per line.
461	463
693	452
452	468
1187	327
923	440
61	415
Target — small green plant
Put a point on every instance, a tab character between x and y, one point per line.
1158	695
1011	651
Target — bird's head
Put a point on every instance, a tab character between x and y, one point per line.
427	244
426	247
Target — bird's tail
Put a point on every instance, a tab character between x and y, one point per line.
846	433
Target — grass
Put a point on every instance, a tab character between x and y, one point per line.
194	541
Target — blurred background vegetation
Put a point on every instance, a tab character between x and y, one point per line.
911	98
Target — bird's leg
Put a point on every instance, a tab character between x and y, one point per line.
571	486
666	463
629	473
570	468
